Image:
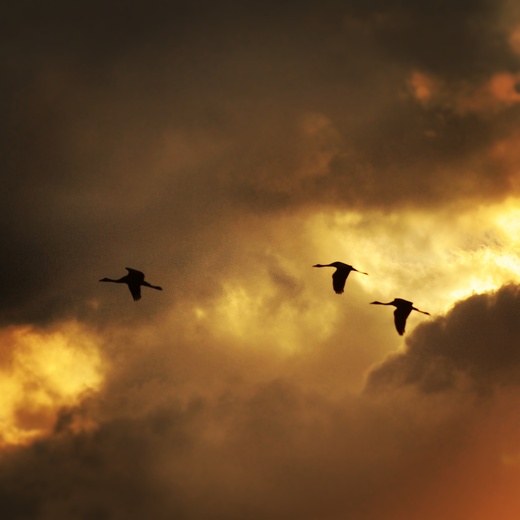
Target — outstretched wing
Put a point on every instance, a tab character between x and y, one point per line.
400	316
135	290
338	280
135	274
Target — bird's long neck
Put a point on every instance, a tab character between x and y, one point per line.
381	303
121	280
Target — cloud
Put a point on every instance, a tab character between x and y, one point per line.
164	121
446	38
271	448
474	343
42	372
274	454
224	150
495	94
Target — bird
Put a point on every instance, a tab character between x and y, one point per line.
339	277
403	308
134	279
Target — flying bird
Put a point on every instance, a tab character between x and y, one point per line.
134	279
403	308
339	277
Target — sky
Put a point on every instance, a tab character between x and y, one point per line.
224	148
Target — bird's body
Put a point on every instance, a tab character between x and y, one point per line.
403	308
134	279
339	277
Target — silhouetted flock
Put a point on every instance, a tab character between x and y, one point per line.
135	279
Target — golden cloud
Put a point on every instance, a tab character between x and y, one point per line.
43	372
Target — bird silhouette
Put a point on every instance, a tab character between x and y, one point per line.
134	279
339	277
403	308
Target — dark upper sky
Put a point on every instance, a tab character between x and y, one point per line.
125	121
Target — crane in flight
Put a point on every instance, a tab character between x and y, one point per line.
339	277
403	308
134	279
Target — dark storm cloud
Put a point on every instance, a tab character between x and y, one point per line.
275	454
126	125
456	39
272	449
476	343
